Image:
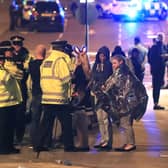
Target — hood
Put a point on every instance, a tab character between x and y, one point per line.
105	50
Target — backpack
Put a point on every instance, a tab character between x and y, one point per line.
140	105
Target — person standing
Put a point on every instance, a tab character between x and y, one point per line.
34	70
10	64
10	98
142	58
119	87
157	68
118	50
101	70
55	84
137	68
80	81
21	58
12	16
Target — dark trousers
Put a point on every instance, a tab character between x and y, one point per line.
20	121
7	124
36	110
63	113
13	20
157	80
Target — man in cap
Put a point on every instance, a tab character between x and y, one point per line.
10	64
10	98
55	85
21	58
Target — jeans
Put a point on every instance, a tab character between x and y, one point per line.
126	130
105	126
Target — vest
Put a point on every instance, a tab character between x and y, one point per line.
10	93
55	78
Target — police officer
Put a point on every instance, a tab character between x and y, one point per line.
10	98
21	58
19	13
15	14
55	85
12	16
10	64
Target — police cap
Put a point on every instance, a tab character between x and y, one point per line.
17	40
5	46
58	45
2	57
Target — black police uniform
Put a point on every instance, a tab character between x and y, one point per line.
20	58
15	14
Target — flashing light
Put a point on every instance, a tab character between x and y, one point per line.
147	6
157	6
132	14
88	1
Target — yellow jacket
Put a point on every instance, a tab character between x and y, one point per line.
55	78
11	67
10	93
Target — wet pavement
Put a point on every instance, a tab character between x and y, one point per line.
4	17
151	140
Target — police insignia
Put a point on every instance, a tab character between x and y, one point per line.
48	64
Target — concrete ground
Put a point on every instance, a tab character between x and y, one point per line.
151	140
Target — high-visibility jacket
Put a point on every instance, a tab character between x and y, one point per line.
55	78
11	67
10	93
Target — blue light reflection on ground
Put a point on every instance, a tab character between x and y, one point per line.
131	28
151	127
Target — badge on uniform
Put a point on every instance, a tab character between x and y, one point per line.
48	64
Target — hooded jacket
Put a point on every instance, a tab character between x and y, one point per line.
101	71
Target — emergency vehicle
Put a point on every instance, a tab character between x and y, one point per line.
154	8
132	9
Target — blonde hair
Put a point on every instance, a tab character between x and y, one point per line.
119	58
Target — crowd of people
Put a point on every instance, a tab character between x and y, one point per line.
63	84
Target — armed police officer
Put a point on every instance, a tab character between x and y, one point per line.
21	58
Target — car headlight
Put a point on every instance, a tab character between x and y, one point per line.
157	6
132	14
147	6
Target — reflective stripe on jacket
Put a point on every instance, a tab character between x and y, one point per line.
10	93
55	78
11	67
